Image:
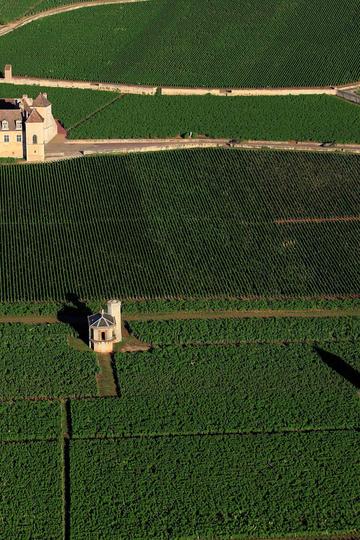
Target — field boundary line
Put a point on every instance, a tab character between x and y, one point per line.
165	90
224	344
65	437
316	313
95	113
27	19
235	433
175	434
151	90
334	219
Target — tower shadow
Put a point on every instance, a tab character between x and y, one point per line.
74	312
339	365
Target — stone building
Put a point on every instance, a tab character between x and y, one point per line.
105	328
26	126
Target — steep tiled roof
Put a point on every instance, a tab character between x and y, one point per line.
35	118
41	101
10	116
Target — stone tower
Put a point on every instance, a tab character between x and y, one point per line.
35	149
44	108
114	309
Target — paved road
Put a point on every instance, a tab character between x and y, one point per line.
61	149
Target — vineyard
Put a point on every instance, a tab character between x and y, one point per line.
306	118
31	501
89	114
42	363
162	42
180	487
192	332
162	243
202	390
209	433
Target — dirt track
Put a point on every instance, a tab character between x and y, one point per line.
200	315
14	25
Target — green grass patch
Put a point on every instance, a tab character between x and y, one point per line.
184	487
36	361
26	420
307	118
232	389
31	500
212	233
202	43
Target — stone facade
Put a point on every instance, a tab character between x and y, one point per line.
105	328
26	126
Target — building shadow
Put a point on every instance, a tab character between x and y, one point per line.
8	104
339	365
74	312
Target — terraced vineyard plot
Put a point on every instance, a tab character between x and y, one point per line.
315	118
26	420
211	486
230	389
202	43
195	223
36	361
31	500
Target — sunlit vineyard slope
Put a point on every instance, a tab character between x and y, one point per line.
190	223
202	42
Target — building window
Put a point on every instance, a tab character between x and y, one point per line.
18	138
35	139
18	124
6	138
5	124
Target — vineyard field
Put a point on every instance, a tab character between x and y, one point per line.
234	331
9	11
29	420
202	390
89	114
162	42
162	243
31	500
180	487
36	361
305	118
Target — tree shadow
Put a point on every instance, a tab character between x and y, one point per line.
74	312
340	366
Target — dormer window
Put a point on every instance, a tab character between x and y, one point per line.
18	124
5	125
